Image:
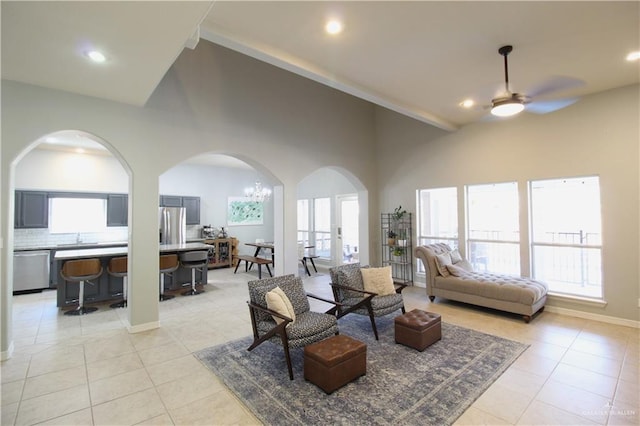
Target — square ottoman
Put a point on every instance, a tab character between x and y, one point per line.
334	362
418	329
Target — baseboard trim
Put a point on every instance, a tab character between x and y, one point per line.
143	327
594	317
5	355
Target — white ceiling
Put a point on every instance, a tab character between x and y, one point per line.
418	58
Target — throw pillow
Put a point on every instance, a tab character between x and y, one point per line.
279	302
455	256
464	264
378	280
442	260
457	271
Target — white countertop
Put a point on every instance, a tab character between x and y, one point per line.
122	251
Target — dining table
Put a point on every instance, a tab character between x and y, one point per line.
259	246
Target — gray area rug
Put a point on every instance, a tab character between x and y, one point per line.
402	386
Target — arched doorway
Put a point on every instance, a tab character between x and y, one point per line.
65	163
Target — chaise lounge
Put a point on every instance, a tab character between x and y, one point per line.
450	276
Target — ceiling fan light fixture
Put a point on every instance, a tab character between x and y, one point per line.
507	107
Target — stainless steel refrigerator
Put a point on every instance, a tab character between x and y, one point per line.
173	225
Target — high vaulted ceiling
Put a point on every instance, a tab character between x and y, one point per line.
418	58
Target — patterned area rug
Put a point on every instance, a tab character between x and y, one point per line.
402	386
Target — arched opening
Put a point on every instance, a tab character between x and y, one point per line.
222	215
332	218
51	183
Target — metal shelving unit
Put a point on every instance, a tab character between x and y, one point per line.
397	246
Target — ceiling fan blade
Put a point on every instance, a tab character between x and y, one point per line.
545	107
553	85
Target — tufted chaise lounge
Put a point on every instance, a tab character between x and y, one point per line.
514	294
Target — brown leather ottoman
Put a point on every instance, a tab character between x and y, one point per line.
334	362
418	329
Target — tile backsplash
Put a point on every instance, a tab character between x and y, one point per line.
39	237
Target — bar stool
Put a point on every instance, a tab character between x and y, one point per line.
194	260
168	264
118	268
79	271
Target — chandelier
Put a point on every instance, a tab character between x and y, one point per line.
258	193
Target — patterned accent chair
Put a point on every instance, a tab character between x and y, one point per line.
308	327
351	297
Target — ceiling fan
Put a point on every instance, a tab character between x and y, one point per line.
511	103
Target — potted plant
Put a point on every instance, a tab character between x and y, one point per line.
391	237
398	213
397	253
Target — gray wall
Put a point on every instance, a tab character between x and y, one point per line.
598	135
285	126
211	100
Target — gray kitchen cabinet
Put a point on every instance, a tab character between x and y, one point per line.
170	201
191	204
117	209
31	209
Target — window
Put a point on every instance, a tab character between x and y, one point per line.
322	227
438	216
493	235
566	241
75	215
303	221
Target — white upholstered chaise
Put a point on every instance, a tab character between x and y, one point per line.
514	294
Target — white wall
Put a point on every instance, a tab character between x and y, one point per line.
214	185
599	135
211	100
50	170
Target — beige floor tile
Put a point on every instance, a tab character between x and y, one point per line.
528	393
113	366
188	389
503	402
77	418
55	381
11	392
175	369
8	414
130	409
590	406
162	420
164	353
532	363
475	416
218	409
55	359
109	347
118	386
521	381
628	392
606	349
585	380
13	369
597	364
539	413
52	405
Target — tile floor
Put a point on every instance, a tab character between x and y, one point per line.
90	371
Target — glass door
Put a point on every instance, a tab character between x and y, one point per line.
347	227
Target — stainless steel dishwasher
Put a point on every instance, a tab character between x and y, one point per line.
30	270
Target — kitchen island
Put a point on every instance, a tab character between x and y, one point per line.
108	287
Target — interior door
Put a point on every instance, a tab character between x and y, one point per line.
347	227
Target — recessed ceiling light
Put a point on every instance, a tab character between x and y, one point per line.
51	139
467	103
633	56
333	27
96	56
